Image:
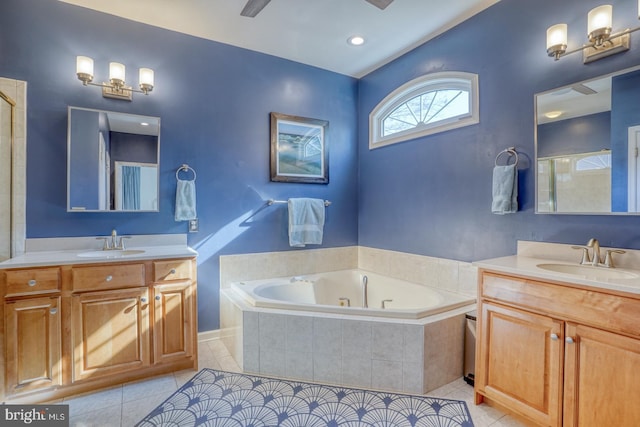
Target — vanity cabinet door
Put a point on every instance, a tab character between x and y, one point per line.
520	362
601	384
110	332
33	338
174	324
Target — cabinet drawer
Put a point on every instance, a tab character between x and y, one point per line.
177	269
587	306
32	281
107	277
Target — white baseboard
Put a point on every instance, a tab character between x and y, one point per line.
209	335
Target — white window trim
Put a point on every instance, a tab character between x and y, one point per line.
446	79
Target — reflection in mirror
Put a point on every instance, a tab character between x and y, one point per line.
136	186
587	139
7	106
112	161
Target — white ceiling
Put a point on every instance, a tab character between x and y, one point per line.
312	32
572	103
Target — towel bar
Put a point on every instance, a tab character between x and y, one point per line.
511	151
187	168
272	201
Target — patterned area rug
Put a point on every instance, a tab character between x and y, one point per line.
216	398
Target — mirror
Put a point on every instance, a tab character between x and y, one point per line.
112	161
587	140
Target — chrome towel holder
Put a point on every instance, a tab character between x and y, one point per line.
511	151
185	167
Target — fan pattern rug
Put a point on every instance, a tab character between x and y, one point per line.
217	398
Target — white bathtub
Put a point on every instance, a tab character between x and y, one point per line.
332	292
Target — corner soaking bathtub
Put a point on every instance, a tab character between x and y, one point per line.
345	292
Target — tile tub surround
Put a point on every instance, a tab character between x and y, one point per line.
234	268
388	354
450	275
342	349
447	274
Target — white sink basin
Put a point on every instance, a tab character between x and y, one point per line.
111	253
589	272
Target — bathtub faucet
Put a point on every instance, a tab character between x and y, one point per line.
365	281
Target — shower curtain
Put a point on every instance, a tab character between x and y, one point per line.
130	188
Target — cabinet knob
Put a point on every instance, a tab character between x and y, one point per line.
172	271
158	298
569	340
143	299
54	310
554	337
31	282
109	278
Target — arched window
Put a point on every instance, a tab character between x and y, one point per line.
429	104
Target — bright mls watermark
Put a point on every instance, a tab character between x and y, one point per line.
34	415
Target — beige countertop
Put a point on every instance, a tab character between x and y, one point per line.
529	267
74	256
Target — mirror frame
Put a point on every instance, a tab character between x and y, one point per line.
535	136
110	210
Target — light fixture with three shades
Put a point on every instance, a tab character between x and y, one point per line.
116	88
602	42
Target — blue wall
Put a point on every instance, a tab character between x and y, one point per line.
214	101
432	195
583	134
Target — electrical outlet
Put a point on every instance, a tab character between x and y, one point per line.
193	225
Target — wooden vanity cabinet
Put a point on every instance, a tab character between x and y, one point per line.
601	385
87	326
557	354
33	349
522	365
110	332
33	333
173	298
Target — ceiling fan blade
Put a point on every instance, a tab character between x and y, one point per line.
380	4
253	7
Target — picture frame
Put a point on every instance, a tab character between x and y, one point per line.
299	149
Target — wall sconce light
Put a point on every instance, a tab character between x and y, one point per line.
602	42
116	88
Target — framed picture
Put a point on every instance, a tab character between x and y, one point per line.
299	149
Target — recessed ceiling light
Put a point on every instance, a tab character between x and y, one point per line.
355	40
553	114
144	124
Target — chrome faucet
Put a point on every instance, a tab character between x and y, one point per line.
365	302
114	239
596	259
595	245
112	242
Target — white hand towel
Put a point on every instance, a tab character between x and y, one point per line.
186	200
505	190
306	222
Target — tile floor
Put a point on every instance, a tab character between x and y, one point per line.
127	404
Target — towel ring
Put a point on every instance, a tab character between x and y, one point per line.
185	167
511	151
